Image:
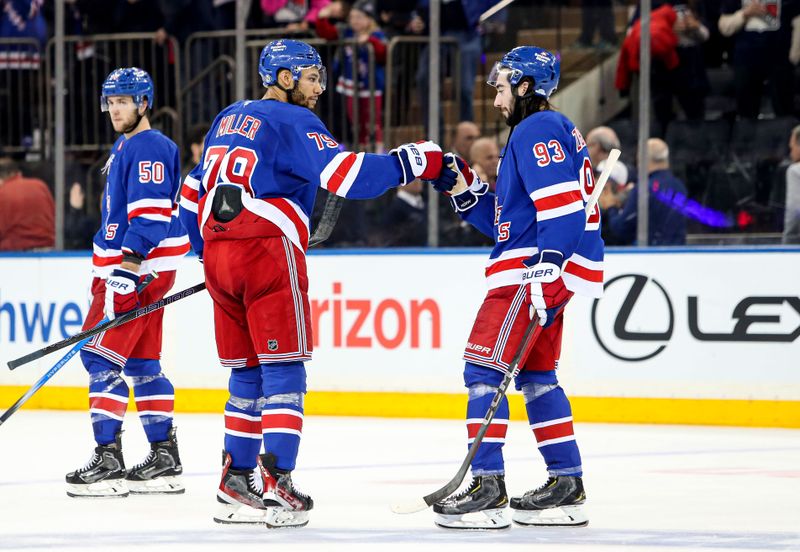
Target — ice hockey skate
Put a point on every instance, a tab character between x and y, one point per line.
103	476
481	506
240	495
287	507
556	503
160	471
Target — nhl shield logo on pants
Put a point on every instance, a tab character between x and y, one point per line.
272	344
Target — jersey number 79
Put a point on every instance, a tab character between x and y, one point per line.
222	166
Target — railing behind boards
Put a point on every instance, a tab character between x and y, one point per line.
88	61
21	98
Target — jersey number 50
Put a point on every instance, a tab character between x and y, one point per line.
236	166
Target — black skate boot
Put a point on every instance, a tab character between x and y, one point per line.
241	495
481	506
287	506
556	503
103	476
160	472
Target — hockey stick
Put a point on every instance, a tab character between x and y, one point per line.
493	10
330	213
106	325
529	337
60	364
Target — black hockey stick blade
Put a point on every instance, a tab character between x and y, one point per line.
138	313
531	334
330	214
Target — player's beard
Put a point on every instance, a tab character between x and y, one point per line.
131	126
298	98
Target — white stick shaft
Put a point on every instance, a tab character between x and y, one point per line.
493	10
613	156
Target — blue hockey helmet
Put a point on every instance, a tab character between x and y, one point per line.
292	55
127	81
529	61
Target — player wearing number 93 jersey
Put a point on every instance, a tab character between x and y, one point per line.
545	250
246	206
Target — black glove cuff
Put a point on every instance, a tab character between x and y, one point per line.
132	257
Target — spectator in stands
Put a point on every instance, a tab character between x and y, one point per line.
614	195
79	227
791	217
667	224
762	32
363	27
600	141
690	78
406	220
20	65
597	15
464	135
483	157
27	210
664	54
395	16
195	139
295	15
459	20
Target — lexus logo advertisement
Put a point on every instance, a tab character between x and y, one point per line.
637	317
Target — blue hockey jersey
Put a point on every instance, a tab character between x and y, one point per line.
139	211
544	179
279	154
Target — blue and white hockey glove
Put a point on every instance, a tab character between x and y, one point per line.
547	292
460	182
419	160
121	294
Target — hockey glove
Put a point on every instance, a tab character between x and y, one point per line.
546	287
419	160
121	294
460	182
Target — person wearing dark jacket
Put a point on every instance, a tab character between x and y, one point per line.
667	224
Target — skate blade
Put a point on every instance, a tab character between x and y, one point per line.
112	488
236	514
565	516
159	485
475	521
280	518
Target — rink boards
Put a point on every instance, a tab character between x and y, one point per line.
691	336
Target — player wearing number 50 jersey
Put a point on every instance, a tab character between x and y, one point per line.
537	219
139	234
247	206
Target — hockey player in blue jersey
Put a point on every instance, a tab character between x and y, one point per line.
246	206
537	220
138	235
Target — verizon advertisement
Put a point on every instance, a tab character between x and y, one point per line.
705	324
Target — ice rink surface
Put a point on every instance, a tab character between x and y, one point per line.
655	488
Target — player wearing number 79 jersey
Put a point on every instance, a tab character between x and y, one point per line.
246	207
545	250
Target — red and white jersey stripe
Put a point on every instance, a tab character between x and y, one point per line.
238	424
340	173
495	433
159	210
552	432
108	404
165	256
581	275
557	200
282	420
189	194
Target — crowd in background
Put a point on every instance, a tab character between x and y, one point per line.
755	43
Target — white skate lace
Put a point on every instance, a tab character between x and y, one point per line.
144	462
256	481
90	464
